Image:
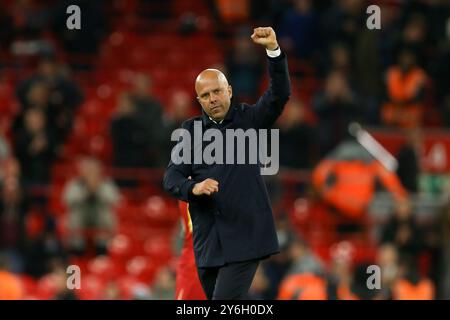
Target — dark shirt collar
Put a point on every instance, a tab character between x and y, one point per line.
207	122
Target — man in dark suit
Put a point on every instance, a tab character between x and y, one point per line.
233	225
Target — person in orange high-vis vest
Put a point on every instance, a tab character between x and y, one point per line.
405	89
232	11
10	287
406	290
305	286
349	186
188	286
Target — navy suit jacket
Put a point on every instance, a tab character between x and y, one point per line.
236	223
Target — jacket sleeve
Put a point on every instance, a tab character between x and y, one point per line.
176	178
270	105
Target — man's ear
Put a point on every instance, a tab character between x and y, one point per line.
230	91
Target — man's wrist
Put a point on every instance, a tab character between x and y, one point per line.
272	46
273	53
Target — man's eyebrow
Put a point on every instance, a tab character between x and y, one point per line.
206	92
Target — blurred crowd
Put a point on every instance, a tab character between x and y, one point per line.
395	78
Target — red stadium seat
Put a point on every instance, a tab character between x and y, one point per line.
47	287
29	284
103	267
141	268
92	287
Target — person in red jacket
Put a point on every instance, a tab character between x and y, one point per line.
188	286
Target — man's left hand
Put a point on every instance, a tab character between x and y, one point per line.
265	36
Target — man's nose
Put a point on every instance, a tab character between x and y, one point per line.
213	97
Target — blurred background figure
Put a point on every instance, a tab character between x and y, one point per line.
388	261
296	131
129	135
405	85
163	287
149	112
244	67
303	259
35	148
340	275
409	166
179	109
298	30
402	231
90	199
14	207
43	250
410	285
52	90
336	107
10	285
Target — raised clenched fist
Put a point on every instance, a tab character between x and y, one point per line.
265	36
207	186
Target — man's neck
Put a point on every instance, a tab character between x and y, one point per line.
216	121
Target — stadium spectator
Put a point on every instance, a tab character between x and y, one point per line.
339	277
414	36
303	259
10	285
164	285
149	112
13	210
348	178
446	110
402	231
340	60
303	286
179	109
277	267
4	148
342	21
6	29
90	198
444	247
29	19
111	291
387	260
61	95
298	30
244	67
35	148
405	90
62	292
129	136
232	11
408	157
94	26
410	285
295	132
358	288
43	250
336	107
37	97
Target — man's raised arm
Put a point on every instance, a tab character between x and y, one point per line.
271	104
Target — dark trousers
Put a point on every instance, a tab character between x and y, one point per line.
229	282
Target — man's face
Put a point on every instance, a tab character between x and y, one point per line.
213	93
